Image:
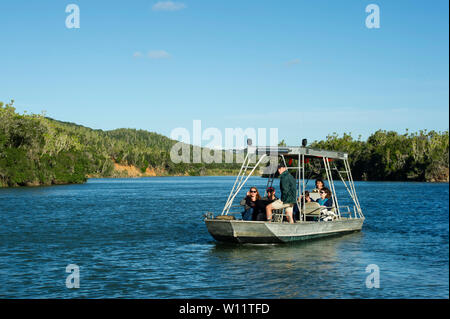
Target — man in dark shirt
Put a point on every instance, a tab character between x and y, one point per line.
260	213
288	195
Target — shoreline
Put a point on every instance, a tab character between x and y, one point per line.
378	181
35	185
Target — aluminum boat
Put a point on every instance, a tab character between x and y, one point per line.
313	220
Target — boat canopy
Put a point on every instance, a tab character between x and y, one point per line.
295	151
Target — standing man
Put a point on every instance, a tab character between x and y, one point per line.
288	194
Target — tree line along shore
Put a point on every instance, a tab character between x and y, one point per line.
37	150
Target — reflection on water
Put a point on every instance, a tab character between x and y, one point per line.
283	264
321	249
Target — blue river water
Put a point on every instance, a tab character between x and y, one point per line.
145	238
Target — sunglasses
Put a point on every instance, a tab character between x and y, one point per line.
253	191
323	192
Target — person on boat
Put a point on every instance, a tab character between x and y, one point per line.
319	185
249	202
259	214
308	199
288	195
271	197
325	198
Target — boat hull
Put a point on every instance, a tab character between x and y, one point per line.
238	231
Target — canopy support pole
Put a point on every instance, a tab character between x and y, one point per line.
241	183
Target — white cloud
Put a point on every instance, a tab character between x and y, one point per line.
292	62
168	6
137	54
158	54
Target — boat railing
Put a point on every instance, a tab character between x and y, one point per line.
345	211
236	206
279	214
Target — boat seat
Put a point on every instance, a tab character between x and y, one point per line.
312	208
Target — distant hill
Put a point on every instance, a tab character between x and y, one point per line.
36	150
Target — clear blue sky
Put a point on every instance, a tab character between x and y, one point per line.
308	68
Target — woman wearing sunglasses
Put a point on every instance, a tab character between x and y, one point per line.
325	198
249	202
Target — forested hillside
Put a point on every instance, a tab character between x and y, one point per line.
387	155
35	150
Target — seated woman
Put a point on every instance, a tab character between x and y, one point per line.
300	200
315	192
249	202
319	185
325	198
